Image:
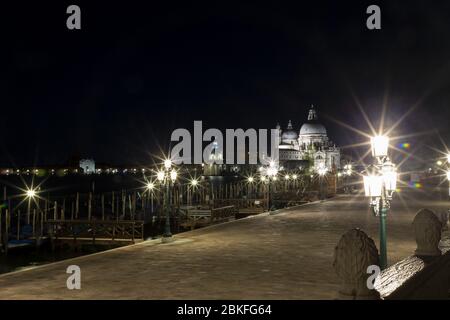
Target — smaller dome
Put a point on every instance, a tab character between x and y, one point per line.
289	134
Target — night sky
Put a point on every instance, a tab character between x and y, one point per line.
116	89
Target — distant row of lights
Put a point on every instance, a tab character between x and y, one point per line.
66	171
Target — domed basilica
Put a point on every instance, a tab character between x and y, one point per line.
310	147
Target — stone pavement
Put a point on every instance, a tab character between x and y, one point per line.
284	256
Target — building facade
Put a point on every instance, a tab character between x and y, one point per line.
310	146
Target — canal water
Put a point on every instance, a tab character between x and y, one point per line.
25	257
22	258
57	187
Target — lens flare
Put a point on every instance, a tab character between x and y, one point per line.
404	146
415	185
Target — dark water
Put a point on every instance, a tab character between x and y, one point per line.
54	188
24	257
21	258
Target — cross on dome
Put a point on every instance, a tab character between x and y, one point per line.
312	116
289	126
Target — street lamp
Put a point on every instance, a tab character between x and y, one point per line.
269	173
448	178
167	177
31	193
250	181
322	171
380	145
150	188
167	164
380	186
193	183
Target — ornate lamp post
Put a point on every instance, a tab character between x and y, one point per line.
448	172
167	177
150	189
194	185
448	178
269	173
322	171
380	186
348	171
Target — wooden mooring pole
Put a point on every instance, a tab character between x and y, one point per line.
34	222
103	206
77	205
90	206
55	211
7	224
18	224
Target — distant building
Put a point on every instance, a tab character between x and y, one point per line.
214	169
310	147
88	166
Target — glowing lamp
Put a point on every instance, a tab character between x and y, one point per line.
263	178
160	176
272	171
287	177
389	176
250	179
173	175
194	182
294	177
322	171
390	180
167	163
380	145
31	193
448	175
150	186
373	186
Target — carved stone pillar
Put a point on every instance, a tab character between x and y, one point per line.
355	252
427	229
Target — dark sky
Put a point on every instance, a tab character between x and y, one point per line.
115	89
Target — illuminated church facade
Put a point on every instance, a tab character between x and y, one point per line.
308	146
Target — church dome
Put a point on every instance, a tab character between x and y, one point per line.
312	127
289	133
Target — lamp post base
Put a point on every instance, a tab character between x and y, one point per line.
167	239
383	246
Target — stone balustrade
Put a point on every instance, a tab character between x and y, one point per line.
424	275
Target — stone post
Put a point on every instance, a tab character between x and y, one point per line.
427	229
354	253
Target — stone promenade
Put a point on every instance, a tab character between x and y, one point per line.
288	255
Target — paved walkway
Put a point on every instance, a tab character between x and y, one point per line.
284	256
